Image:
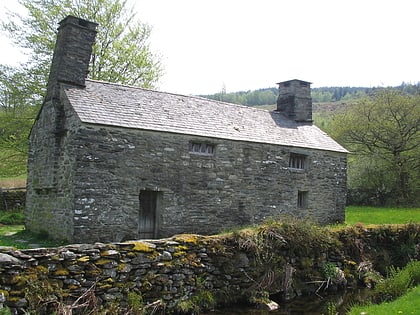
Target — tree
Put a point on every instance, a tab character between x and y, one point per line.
382	132
16	119
121	54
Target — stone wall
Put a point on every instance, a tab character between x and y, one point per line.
289	259
12	198
95	175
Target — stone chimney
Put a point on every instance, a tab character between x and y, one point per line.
72	53
295	100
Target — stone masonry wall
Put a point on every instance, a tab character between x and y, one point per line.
227	266
49	195
242	184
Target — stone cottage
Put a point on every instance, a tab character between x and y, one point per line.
109	162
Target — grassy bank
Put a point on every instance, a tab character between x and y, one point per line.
376	215
407	304
399	293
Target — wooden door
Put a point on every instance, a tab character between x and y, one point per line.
147	216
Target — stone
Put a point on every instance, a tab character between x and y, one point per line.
8	259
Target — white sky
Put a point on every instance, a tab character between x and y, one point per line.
252	44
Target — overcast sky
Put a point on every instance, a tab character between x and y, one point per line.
250	44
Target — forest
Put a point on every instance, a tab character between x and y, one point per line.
268	96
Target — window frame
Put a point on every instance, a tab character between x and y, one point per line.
201	148
298	161
302	199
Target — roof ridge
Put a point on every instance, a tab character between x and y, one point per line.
179	94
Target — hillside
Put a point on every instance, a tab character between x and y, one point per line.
322	95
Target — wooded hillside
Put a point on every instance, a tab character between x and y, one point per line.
268	96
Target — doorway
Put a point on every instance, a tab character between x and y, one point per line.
149	202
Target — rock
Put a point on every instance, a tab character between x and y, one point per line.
8	259
268	305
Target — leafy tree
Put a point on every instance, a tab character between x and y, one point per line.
16	119
121	54
383	133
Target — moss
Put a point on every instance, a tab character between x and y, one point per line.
181	248
103	261
4	292
187	238
131	255
121	267
55	258
21	280
83	259
108	280
93	273
178	254
105	286
61	272
141	247
13	299
15	293
41	269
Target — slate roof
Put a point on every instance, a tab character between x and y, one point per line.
131	107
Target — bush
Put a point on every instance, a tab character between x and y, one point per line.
12	218
398	282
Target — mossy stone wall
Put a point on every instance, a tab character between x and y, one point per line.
237	266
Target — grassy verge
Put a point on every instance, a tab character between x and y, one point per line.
374	215
407	304
16	236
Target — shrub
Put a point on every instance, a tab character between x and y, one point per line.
12	218
398	282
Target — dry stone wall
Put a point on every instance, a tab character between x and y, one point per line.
230	267
12	198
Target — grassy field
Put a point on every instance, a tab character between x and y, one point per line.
373	215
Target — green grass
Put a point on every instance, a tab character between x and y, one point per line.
15	217
405	305
16	236
374	215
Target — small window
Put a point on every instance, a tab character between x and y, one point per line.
297	161
302	201
201	148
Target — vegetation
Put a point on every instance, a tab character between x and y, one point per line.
383	133
14	217
121	54
326	95
399	282
407	304
377	215
16	236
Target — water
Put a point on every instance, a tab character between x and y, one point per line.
331	304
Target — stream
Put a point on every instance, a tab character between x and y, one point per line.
331	304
